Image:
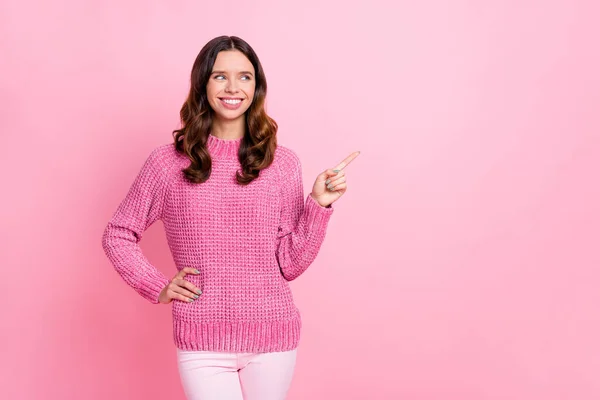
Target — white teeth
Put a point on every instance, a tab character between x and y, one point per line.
231	101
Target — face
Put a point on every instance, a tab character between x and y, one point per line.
230	88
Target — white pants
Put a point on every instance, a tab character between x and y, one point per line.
209	375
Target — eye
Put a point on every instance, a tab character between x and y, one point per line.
248	77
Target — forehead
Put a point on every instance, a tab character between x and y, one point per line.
232	61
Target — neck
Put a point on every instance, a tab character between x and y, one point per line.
229	129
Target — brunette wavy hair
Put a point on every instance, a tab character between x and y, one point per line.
257	147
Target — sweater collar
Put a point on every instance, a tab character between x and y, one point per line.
222	147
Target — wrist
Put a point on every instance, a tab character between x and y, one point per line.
318	202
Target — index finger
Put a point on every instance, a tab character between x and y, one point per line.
347	160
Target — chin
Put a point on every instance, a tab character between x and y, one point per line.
230	117
229	114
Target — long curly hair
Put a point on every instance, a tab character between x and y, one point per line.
257	147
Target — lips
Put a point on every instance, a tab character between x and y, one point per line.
231	103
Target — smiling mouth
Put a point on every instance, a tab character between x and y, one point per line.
231	101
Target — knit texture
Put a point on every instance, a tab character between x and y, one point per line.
248	242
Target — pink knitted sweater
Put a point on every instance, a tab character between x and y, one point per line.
246	241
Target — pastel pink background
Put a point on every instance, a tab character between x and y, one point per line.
462	263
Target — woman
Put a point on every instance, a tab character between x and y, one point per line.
238	227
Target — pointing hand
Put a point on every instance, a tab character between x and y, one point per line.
331	184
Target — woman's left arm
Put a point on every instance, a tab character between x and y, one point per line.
304	221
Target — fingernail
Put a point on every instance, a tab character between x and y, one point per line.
329	187
336	170
199	291
196	271
327	181
196	296
190	300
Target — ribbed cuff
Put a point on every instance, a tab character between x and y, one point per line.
317	216
151	286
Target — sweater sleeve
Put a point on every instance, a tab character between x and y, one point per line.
140	208
303	222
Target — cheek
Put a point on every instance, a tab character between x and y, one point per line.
211	90
250	93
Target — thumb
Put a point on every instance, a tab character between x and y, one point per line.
184	271
330	172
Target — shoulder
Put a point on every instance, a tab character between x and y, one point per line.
162	158
164	152
287	159
288	166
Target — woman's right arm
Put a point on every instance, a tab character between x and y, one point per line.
140	208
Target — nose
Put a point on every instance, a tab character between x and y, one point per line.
231	86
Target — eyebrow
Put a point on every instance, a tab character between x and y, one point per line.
224	72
